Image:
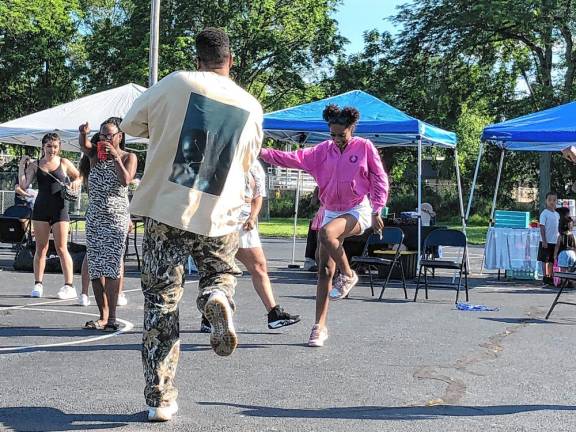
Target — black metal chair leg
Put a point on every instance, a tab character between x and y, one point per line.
458	287
426	283
136	246
403	280
555	302
386	282
466	282
371	284
418	283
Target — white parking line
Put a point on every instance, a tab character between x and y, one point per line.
127	327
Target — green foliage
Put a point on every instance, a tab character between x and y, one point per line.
36	42
276	44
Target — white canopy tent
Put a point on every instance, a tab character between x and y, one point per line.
64	119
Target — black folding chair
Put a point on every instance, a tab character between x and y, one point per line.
12	231
443	237
565	278
391	237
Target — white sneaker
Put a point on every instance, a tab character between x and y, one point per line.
67	292
162	414
38	290
122	300
84	300
219	313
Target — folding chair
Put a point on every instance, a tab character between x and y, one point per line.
565	278
444	237
12	231
390	237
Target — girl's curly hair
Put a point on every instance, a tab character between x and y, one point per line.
346	116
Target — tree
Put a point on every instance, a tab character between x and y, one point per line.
277	44
539	32
36	42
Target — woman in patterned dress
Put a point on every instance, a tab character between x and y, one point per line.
107	217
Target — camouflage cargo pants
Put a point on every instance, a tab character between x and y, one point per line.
165	250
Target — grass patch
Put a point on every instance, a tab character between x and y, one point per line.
283	227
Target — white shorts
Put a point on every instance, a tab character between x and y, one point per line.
362	212
248	239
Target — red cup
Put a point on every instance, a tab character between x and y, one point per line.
101	150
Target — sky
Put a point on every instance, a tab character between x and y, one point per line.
356	16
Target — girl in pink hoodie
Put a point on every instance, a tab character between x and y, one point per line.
353	189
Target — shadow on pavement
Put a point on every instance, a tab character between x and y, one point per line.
50	419
390	413
138	347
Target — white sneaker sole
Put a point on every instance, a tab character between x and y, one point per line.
35	294
162	414
223	337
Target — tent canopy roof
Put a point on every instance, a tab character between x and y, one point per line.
383	124
64	119
550	130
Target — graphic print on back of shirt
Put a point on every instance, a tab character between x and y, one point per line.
207	143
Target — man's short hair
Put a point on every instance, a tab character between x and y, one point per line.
212	47
551	194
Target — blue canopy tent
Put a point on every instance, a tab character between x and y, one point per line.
550	130
383	124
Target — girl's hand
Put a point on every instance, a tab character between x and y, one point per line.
75	185
377	222
249	224
84	128
112	151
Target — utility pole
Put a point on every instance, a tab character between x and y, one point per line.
154	39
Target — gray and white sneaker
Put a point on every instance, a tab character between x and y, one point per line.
38	291
162	414
219	313
342	287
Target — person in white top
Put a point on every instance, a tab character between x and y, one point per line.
549	219
251	254
204	133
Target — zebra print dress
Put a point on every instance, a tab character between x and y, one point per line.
107	221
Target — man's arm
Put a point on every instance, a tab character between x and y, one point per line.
135	121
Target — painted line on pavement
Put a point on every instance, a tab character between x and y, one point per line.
127	327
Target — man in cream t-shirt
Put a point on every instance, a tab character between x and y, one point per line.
204	133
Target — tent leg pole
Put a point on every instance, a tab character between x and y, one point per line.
419	200
493	209
293	263
473	187
461	202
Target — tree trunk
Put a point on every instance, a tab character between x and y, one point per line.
544	179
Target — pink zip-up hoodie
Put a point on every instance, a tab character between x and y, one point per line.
344	178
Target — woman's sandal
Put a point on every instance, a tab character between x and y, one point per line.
111	327
93	325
